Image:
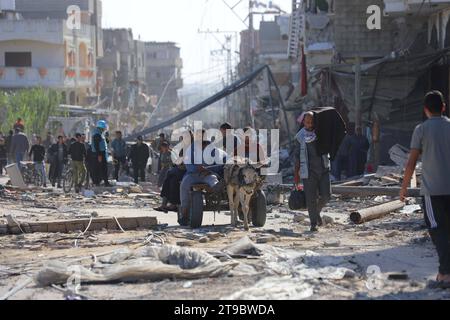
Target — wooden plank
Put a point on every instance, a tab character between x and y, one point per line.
66	226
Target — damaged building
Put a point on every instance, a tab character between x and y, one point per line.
38	49
375	78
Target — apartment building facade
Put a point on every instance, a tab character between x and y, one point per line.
38	48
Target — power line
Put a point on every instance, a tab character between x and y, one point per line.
234	12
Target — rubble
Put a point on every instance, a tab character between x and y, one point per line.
150	264
330	263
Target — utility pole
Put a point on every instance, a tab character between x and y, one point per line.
251	34
358	107
227	48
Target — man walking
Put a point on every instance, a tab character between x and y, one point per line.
139	155
88	161
119	150
19	146
37	153
430	139
314	170
78	153
58	155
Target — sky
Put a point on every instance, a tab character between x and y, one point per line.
179	21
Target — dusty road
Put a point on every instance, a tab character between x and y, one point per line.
291	263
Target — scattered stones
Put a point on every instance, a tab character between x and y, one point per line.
299	218
332	244
214	235
266	239
392	234
366	234
88	194
327	219
203	240
185	243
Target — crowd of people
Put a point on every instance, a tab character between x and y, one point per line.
313	170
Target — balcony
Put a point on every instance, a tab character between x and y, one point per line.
49	31
402	7
57	78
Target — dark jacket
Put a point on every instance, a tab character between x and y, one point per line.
53	153
3	153
139	154
20	143
38	153
78	151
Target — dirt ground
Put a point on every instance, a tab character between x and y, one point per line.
397	245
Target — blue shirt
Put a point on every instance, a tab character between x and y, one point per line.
119	147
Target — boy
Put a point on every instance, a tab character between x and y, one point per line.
430	139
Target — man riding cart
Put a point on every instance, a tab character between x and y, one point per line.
207	182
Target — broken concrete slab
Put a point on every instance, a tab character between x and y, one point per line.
67	226
14	174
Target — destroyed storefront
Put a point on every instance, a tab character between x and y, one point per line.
392	92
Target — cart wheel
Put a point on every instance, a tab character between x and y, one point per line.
259	209
196	210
